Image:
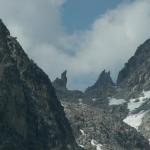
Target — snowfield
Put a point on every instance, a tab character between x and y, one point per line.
137	102
135	120
114	101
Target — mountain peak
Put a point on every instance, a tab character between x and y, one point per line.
143	48
64	77
61	83
3	30
104	79
31	117
136	70
103	86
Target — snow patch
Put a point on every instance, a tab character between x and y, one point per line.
62	104
136	103
94	99
81	146
95	143
146	94
135	120
82	132
114	101
99	147
80	100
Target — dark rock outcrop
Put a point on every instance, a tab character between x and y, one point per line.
103	80
31	117
103	87
134	78
61	83
63	93
136	75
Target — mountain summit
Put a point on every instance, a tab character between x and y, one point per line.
62	82
31	117
136	74
102	87
103	80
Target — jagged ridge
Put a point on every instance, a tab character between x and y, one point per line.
31	117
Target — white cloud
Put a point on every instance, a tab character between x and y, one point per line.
112	39
39	20
115	36
57	2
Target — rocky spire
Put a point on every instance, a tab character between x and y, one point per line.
64	78
104	80
61	83
102	85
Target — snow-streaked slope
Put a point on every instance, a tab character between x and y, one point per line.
137	102
135	120
146	94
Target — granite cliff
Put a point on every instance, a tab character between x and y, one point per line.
31	117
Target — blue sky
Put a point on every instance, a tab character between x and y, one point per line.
80	14
81	36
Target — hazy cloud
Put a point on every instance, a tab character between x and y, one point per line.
115	36
112	39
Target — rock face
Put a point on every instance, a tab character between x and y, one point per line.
95	123
63	93
135	74
128	101
103	81
103	87
95	128
61	83
134	78
31	117
145	126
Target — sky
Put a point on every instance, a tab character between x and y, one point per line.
83	37
80	14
